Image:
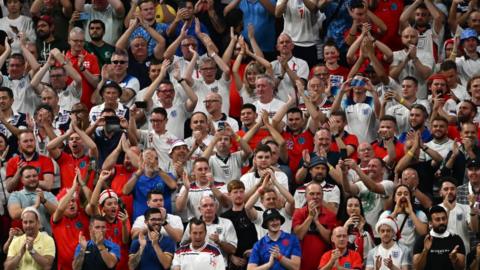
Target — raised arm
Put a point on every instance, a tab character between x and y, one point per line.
231	6
63	203
122	41
253	41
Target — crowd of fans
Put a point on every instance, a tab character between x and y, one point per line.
240	134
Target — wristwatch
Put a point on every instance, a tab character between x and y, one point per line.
165	223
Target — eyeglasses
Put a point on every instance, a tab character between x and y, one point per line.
211	101
118	62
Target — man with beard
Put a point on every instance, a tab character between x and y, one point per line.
28	155
318	169
98	252
69	219
200	134
102	50
461	217
156	250
46	40
171	225
389	253
32	250
417	121
463	151
440	142
466	112
199	254
440	249
32	195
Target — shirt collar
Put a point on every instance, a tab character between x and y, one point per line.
216	220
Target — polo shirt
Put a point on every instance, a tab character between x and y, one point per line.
66	232
251	179
149	259
195	194
43	244
206	257
295	145
288	244
114	234
43	164
93	258
160	142
360	118
174	221
144	185
68	163
120	111
25	198
223	227
120	178
226	170
312	244
331	194
349	260
90	63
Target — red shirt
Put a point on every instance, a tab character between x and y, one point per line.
68	163
43	164
114	234
295	146
66	232
90	62
381	151
454	132
341	70
313	246
235	98
119	180
350	260
389	12
348	139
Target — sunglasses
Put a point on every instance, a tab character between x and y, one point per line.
119	62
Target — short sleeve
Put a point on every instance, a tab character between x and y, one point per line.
388	186
14	199
14	247
325	258
47	166
48	248
370	262
296	250
255	256
11	168
356	260
230	234
139	223
115	250
94	68
169	246
418	247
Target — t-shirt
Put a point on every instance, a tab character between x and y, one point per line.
245	229
149	259
458	220
25	98
295	145
226	171
350	260
287	243
206	257
372	202
360	118
90	63
103	53
144	185
43	164
400	254
66	232
437	257
160	142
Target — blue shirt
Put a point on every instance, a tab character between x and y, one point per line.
263	22
93	259
288	244
149	258
140	31
142	187
426	136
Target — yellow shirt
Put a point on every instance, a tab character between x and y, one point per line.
159	16
43	244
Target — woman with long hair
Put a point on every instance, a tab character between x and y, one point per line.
411	221
360	233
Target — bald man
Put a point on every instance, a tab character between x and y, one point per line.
340	257
213	104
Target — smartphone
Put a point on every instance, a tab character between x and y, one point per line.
112	124
221	125
84	16
141	104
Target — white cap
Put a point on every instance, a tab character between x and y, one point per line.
177	143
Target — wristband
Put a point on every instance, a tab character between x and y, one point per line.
410	154
181	80
306	165
280	257
402	101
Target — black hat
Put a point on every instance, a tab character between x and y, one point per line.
473	163
111	84
270	214
317	161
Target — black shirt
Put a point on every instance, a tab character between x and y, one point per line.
246	232
437	257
